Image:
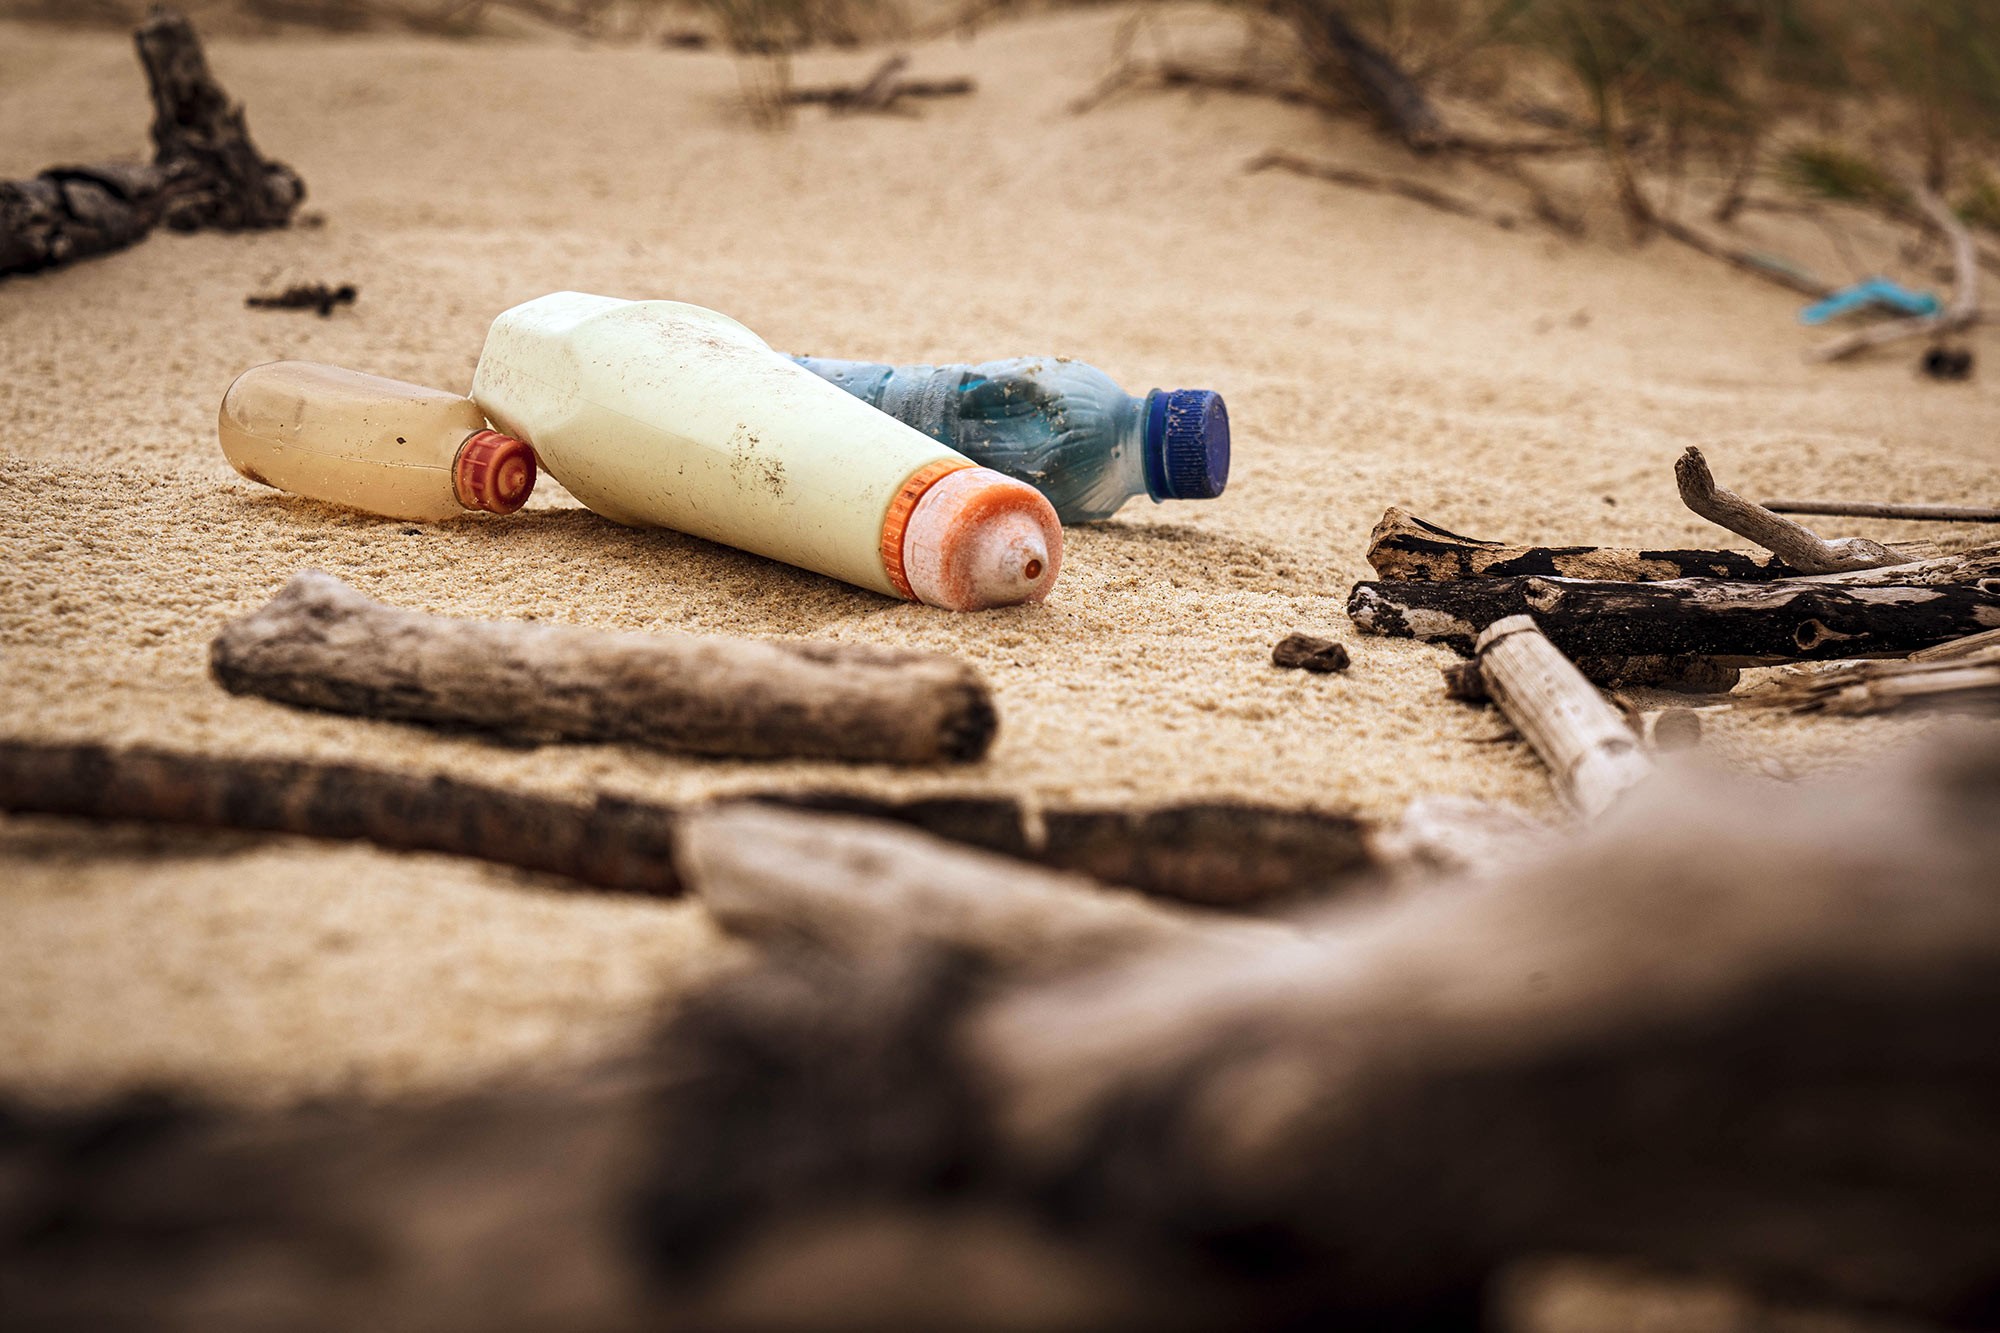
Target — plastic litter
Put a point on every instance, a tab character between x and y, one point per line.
1872	294
655	413
374	444
1063	427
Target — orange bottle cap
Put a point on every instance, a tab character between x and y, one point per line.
977	539
494	472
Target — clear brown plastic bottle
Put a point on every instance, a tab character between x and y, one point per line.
375	444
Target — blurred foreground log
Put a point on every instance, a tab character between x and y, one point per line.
1734	1030
205	172
320	644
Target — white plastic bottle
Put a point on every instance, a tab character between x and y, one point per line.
374	444
655	413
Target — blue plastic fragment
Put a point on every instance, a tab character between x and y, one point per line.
1875	293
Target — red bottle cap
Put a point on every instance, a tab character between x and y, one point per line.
494	472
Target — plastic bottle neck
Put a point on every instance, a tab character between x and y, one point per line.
1138	445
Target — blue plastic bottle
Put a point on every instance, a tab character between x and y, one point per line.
1059	425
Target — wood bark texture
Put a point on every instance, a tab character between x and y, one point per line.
609	843
1592	754
1967	681
320	644
1683	675
205	173
1879	612
1797	546
1403	546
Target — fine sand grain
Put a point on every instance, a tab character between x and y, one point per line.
1503	383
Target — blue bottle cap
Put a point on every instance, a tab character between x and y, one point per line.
1187	444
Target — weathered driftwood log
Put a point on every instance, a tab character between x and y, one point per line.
205	171
1591	752
1403	546
1731	1030
610	843
1868	509
1683	675
863	888
1796	545
320	644
1972	645
1877	612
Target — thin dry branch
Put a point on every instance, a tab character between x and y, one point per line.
1401	186
1869	509
880	92
1796	545
1961	313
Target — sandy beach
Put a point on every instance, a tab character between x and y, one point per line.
1504	383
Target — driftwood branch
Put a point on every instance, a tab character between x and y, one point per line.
1962	312
1867	509
1755	263
1592	754
609	843
1877	612
320	644
1403	546
881	91
1400	186
205	172
1796	545
1212	854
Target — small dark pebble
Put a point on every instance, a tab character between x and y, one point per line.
1310	654
306	296
1947	363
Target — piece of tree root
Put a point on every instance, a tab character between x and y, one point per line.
1732	1030
1403	546
1890	611
1961	313
1794	544
1592	753
320	644
205	172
